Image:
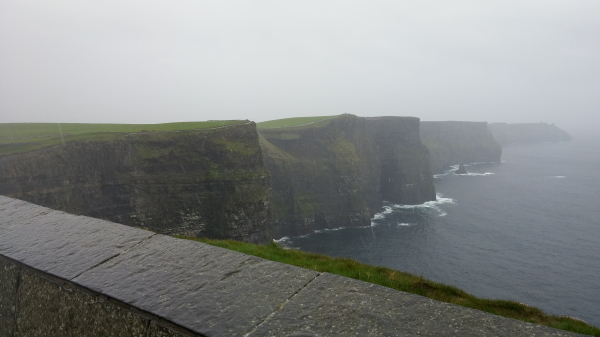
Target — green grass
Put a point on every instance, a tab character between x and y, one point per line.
288	122
404	282
25	137
15	131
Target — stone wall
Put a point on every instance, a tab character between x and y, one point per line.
68	275
33	303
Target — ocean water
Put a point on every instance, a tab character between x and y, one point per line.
526	229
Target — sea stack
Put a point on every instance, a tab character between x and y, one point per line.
461	170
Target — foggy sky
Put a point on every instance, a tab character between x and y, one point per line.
152	62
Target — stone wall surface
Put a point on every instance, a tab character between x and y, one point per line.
9	274
131	282
205	182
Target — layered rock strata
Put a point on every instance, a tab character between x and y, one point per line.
454	143
205	183
337	172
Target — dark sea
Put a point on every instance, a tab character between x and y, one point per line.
526	229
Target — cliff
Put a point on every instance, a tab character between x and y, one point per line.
211	181
454	143
526	133
337	171
208	182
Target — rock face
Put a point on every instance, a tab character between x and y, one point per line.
526	133
461	170
454	143
209	182
337	172
213	182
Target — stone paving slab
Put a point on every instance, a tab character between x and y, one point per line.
62	244
333	305
211	290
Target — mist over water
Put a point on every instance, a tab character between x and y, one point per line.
527	230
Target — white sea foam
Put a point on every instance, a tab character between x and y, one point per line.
474	174
440	200
387	210
382	214
324	230
282	240
480	163
403	224
434	204
558	177
451	170
285	242
454	168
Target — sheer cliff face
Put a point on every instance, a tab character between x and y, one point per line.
453	143
526	133
336	173
405	175
210	183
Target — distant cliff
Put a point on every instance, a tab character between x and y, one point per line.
453	143
336	172
207	182
218	182
526	133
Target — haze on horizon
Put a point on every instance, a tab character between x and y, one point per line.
155	62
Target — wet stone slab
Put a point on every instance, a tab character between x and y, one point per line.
9	274
59	243
207	289
333	305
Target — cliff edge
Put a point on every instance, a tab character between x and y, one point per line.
337	171
454	143
205	182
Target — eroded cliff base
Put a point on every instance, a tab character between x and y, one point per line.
336	172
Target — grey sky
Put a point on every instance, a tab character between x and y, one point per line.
151	62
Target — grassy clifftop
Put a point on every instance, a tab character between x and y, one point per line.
199	179
293	122
25	137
